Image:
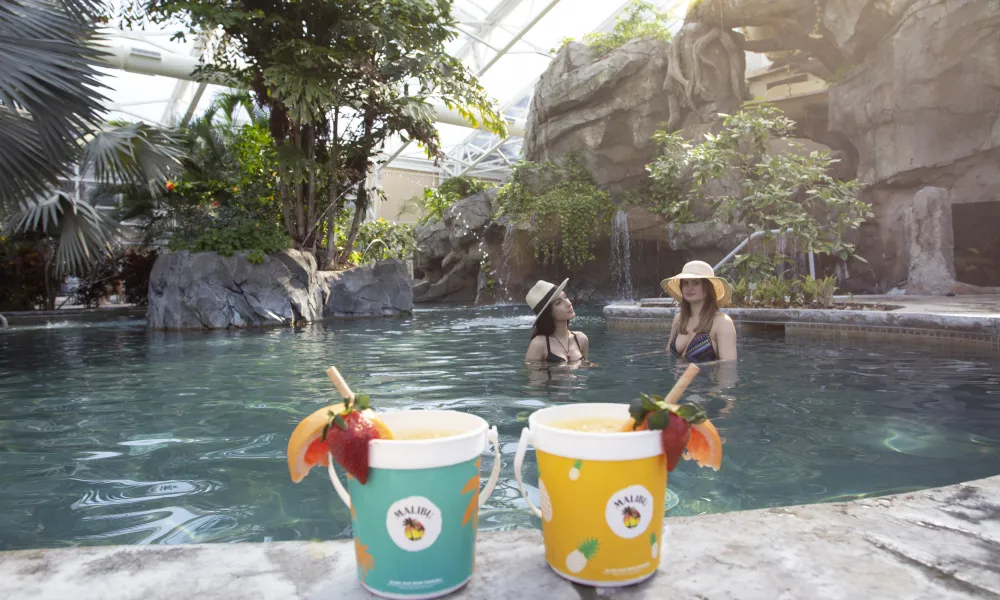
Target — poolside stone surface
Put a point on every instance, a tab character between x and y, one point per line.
939	544
966	320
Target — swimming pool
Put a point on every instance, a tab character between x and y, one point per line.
110	434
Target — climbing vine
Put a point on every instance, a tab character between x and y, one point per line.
565	209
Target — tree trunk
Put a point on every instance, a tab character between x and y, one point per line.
360	210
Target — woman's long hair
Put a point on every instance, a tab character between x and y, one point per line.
546	323
708	310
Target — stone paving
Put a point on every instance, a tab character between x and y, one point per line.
936	544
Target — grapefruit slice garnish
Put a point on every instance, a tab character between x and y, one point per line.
705	445
306	447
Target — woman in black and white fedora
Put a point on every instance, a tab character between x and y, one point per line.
551	338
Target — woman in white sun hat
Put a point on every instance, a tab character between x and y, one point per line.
551	339
700	332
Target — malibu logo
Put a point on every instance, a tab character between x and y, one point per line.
414	511
413	523
629	511
631	499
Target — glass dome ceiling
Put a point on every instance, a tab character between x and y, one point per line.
508	43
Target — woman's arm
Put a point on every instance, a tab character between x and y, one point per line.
536	349
725	338
584	344
673	330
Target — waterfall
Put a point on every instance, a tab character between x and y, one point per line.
621	258
503	270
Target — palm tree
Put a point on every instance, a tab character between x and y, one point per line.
49	93
51	124
133	158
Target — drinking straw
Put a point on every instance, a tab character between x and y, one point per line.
686	378
339	383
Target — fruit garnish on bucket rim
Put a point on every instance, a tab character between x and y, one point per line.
685	430
310	442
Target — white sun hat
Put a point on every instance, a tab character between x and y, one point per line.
697	269
542	295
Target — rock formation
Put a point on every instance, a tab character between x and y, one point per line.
449	253
915	92
206	290
606	108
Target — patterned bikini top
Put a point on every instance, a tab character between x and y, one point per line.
699	349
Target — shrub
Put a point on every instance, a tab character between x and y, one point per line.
566	210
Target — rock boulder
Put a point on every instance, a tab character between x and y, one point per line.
449	252
206	290
378	290
606	108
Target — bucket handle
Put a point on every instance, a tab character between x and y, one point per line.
522	448
484	494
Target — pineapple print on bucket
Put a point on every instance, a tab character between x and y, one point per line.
574	473
584	553
654	550
544	500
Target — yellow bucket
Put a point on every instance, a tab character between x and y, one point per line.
602	495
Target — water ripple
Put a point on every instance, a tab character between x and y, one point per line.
111	434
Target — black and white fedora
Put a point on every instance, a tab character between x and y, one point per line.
542	294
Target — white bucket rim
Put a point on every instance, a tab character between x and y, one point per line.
587	445
434	452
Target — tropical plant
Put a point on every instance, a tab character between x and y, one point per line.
641	20
338	79
434	201
382	240
73	231
566	211
762	190
819	291
50	96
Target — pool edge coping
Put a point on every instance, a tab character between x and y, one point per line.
942	542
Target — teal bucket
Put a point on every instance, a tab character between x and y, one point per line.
414	521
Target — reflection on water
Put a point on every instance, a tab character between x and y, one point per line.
110	434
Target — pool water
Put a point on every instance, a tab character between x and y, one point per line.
110	434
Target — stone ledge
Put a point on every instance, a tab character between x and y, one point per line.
940	543
971	329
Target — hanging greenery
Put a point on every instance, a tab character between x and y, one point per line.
566	211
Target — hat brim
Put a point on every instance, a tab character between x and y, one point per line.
723	291
552	298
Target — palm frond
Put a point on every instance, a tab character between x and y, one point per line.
85	234
135	154
49	92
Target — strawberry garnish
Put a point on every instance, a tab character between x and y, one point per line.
347	436
672	420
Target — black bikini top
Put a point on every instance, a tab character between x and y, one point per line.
552	357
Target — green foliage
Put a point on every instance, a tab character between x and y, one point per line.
336	81
256	239
783	191
640	21
382	240
668	189
819	291
435	201
564	207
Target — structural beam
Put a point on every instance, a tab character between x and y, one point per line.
129	55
